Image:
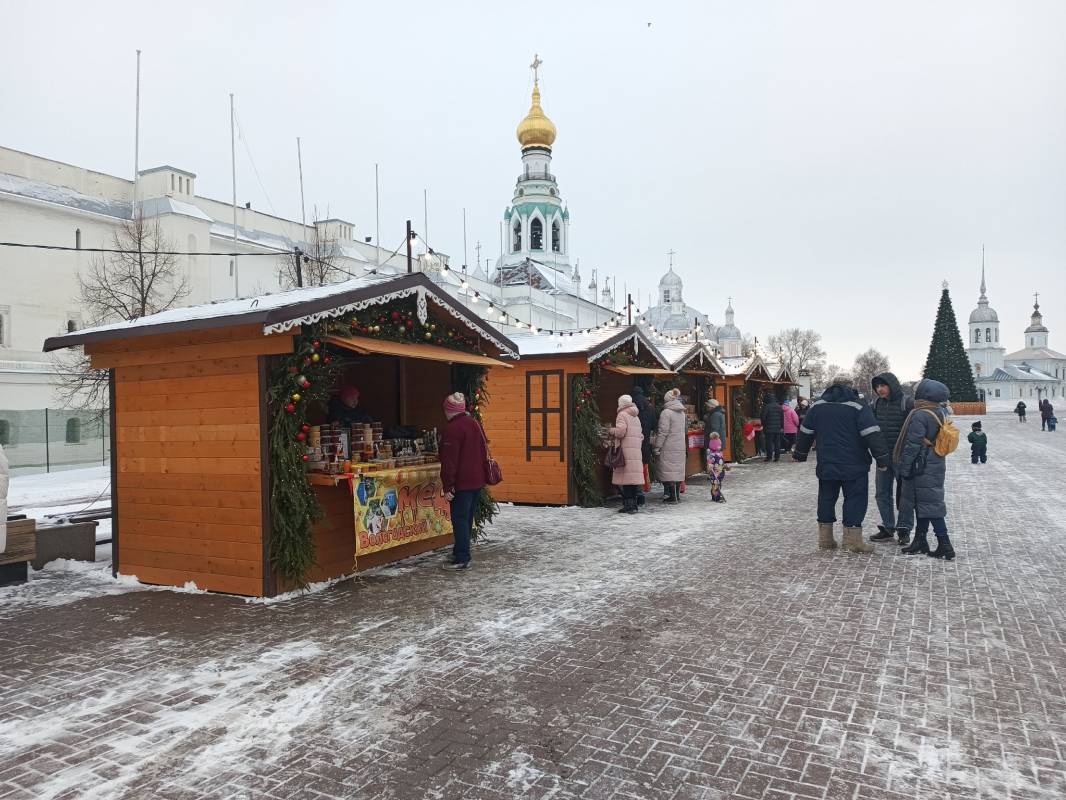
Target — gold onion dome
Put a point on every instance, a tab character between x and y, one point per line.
536	130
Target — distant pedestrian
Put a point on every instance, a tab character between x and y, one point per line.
923	470
1020	411
791	426
627	432
773	426
463	458
847	436
891	407
716	467
670	446
714	422
978	444
1047	412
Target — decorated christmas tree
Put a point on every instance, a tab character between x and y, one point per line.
947	361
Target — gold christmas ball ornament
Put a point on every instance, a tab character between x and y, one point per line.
296	397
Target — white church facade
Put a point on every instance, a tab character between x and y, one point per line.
671	316
1030	374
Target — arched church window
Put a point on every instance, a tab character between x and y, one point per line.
666	295
536	235
557	239
988	334
977	335
516	243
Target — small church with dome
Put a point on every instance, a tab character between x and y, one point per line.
673	317
1030	374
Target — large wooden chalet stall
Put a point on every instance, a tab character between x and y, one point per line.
534	408
196	398
700	377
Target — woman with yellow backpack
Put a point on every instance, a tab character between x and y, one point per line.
928	437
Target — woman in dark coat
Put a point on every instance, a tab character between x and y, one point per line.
1020	411
924	487
713	422
1047	411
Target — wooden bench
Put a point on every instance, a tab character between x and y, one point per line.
21	550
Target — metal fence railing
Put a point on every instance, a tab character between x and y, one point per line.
50	439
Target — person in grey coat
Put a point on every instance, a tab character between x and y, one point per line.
922	470
670	446
713	422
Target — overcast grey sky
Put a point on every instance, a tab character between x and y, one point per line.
827	164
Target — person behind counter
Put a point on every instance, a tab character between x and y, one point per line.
345	410
463	456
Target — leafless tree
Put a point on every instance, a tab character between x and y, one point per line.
867	365
318	263
821	374
797	348
142	277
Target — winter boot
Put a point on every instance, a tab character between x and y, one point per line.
853	541
944	549
668	492
883	534
677	492
919	545
904	536
825	536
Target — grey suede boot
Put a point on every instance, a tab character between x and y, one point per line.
853	541
825	536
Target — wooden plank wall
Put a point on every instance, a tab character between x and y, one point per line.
542	478
188	503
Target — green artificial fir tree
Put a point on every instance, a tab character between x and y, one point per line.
948	361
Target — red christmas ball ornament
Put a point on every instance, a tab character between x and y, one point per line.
291	408
301	436
410	324
328	359
305	457
395	315
305	428
316	344
307	384
293	370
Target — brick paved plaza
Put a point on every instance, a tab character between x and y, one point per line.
693	652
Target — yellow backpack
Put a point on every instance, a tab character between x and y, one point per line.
947	438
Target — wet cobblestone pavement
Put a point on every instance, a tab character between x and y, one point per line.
697	651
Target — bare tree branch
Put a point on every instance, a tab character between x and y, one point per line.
319	264
119	286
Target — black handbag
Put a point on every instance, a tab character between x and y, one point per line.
614	458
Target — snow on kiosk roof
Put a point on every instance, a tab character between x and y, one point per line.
592	345
281	312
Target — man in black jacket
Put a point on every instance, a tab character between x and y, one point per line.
891	407
847	435
773	426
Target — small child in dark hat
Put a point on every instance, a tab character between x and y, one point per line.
978	444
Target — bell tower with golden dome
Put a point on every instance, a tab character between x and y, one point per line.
536	226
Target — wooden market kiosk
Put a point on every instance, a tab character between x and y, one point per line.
197	392
744	378
532	410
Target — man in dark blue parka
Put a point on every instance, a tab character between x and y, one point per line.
847	435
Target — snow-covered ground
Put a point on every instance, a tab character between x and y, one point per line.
689	651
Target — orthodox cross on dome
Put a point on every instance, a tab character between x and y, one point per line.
1036	299
670	254
535	66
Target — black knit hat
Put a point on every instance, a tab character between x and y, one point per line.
977	425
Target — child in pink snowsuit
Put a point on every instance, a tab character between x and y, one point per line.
716	466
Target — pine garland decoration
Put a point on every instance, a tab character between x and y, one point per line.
300	381
585	414
738	426
947	361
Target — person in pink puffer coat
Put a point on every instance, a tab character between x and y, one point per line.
791	426
628	433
